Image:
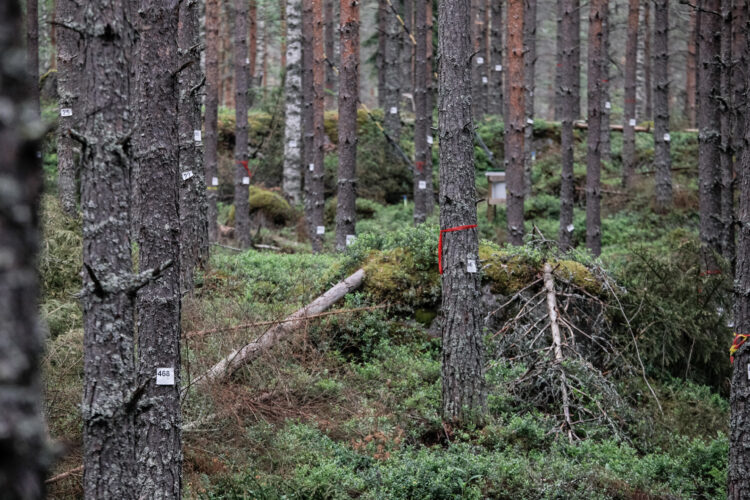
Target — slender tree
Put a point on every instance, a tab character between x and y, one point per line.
576	59
330	54
691	67
606	145
464	392
738	72
628	131
32	52
479	67
648	107
407	54
529	66
593	154
515	120
429	105
213	82
241	85
292	183
726	151
110	394
569	95
559	92
495	90
348	100
252	50
422	148
25	458
662	160
392	98
380	55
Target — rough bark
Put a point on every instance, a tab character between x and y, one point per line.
738	73
726	150
241	86
662	160
709	135
192	185
330	31
464	391
292	183
429	105
32	53
559	93
495	90
158	443
593	153
422	176
691	70
515	120
529	66
569	98
479	62
25	457
391	102
252	50
348	100
628	137
69	69
576	59
382	14
282	31
213	82
407	53
108	304
648	108
605	142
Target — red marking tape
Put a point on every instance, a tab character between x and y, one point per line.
420	165
710	272
440	242
247	169
739	339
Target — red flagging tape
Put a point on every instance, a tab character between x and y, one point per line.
247	169
710	272
739	339
440	242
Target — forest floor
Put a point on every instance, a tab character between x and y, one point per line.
348	407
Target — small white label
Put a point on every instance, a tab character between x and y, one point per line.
530	121
311	167
667	138
247	60
246	180
292	144
394	110
350	238
480	60
484	79
570	228
632	122
320	230
197	135
422	184
214	181
498	67
187	175
533	156
66	112
38	154
165	376
607	105
748	371
430	140
531	93
471	266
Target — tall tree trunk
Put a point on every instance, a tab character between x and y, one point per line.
252	52
576	59
529	64
605	143
213	83
110	395
515	120
348	99
392	120
569	95
25	457
559	91
293	104
69	69
263	28
726	150
691	68
282	30
648	109
158	447
495	91
241	165
422	176
464	392
382	14
709	136
479	74
628	131
407	54
193	204
739	74
429	105
593	154
32	53
330	54
662	160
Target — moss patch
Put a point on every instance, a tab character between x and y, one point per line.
578	274
392	276
507	273
268	203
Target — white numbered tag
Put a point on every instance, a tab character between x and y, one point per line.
350	238
533	156
292	144
394	110
530	121
197	135
570	228
748	371
214	181
66	112
247	60
498	67
484	79
667	138
165	376
422	184
311	167
246	180
187	175
607	105
632	122
320	230
430	140
480	60
471	266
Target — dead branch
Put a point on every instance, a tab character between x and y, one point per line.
58	477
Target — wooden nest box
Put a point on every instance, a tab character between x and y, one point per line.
498	193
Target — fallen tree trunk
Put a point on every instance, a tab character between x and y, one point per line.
240	357
614	127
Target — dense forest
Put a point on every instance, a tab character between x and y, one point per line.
389	249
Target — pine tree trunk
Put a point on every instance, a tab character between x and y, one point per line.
576	59
691	72
241	85
69	69
479	74
662	159
292	183
330	54
628	132
392	101
709	136
495	91
407	54
739	74
380	56
726	150
348	99
593	154
252	52
605	142
648	109
32	53
192	191
158	443
429	105
529	64
515	121
422	176
559	91
464	392
109	398
213	83
23	447
569	98
282	30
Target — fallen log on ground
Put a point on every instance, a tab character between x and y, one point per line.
240	357
615	128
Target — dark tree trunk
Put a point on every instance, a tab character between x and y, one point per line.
739	74
252	53
69	69
605	143
330	55
429	105
32	53
464	392
648	109
25	457
381	54
515	120
576	59
691	73
422	176
529	65
293	102
709	136
495	91
109	397
193	205
407	55
241	85
628	132
559	91
662	160
726	150
392	120
569	97
348	99
213	82
158	420
593	154
479	67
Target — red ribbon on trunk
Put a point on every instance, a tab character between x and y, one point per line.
440	242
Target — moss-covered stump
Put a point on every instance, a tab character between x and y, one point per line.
392	276
267	208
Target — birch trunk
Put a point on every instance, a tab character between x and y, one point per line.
292	183
593	154
662	159
515	121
